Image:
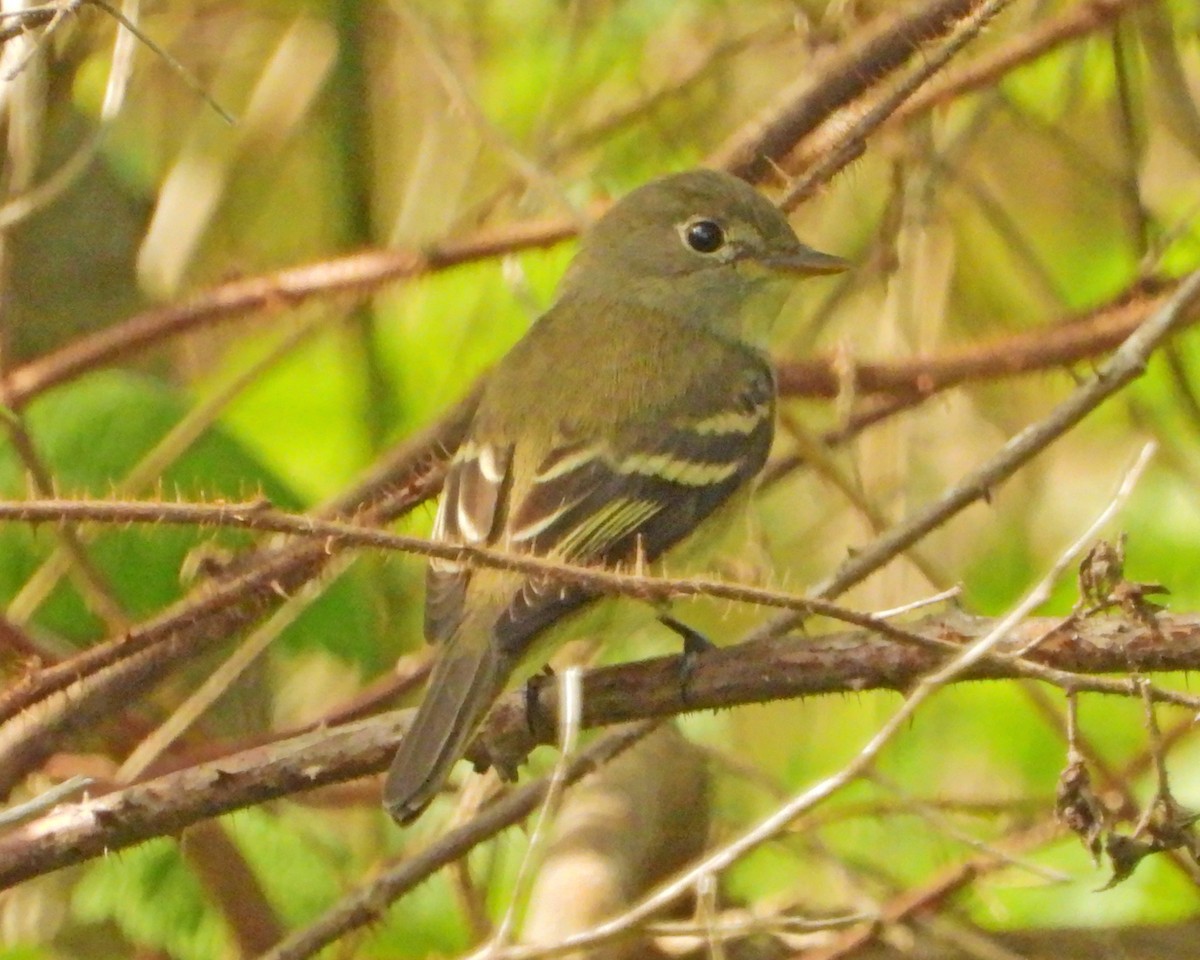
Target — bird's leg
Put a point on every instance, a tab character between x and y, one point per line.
694	645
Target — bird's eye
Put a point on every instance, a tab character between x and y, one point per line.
704	236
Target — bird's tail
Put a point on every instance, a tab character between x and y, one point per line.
467	678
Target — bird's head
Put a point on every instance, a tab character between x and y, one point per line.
700	246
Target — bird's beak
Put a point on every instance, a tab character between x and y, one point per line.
804	262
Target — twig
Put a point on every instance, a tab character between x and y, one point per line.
1157	754
334	535
59	13
851	144
750	152
180	70
570	713
1123	367
942	596
1032	43
44	801
937	819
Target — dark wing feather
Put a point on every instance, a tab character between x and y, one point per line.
605	504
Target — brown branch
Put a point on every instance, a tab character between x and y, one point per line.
757	672
787	667
1033	43
24	21
364	272
852	143
167	804
381	694
355	274
1081	338
802	108
22	644
231	884
334	535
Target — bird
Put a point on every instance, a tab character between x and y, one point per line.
632	409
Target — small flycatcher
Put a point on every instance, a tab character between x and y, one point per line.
632	409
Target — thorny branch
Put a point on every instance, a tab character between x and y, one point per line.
111	672
757	672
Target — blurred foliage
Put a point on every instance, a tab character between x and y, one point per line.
1041	196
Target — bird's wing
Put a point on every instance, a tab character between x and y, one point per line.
638	489
601	501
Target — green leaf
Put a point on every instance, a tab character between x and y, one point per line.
89	435
151	895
